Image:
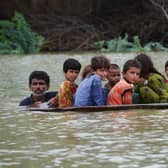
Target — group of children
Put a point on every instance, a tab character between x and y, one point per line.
139	82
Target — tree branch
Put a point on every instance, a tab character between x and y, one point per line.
161	6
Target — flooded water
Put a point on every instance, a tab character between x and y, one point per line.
122	139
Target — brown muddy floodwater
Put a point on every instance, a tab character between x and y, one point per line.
122	139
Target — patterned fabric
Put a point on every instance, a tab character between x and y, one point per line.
65	94
155	91
121	93
148	95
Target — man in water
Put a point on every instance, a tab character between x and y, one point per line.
39	83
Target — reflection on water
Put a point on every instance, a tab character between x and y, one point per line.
124	139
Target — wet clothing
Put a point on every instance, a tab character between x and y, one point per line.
29	100
121	93
65	94
90	92
155	90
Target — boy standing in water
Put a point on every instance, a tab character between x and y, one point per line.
122	92
90	91
39	83
67	89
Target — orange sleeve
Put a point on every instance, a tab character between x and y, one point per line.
114	97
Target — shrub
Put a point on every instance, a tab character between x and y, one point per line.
123	45
16	37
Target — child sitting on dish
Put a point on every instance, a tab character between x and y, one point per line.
90	91
67	89
113	76
122	92
154	89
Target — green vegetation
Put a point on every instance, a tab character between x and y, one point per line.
16	37
123	45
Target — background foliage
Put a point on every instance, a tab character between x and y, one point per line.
123	45
16	37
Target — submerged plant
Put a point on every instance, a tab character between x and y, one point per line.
16	37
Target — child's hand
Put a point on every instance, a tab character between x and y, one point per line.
37	103
52	102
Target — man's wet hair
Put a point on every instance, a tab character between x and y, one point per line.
40	75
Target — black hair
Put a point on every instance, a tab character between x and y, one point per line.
166	65
100	62
40	75
147	65
71	64
114	66
131	63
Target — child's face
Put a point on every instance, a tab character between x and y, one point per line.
38	87
71	74
102	72
132	74
114	75
166	70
